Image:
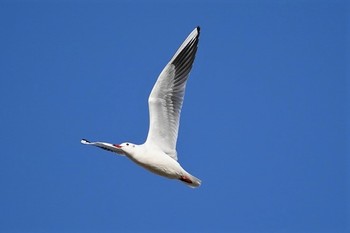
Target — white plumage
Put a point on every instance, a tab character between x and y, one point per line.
158	154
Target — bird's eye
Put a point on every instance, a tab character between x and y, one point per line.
127	144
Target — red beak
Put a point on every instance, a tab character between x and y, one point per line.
118	146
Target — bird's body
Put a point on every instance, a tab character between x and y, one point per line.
158	154
156	161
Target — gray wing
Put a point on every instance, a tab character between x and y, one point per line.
166	98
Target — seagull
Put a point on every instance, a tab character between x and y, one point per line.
158	154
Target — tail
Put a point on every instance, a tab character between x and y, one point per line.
190	180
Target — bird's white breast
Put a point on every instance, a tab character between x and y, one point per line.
156	161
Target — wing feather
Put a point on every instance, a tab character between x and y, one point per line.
166	99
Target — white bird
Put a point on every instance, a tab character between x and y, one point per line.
158	154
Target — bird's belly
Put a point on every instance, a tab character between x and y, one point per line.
160	165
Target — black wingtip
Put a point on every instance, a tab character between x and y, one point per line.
198	29
85	140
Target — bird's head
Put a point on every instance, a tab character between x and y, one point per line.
126	147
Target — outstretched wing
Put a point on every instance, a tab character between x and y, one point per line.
166	98
104	146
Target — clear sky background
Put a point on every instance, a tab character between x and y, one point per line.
264	124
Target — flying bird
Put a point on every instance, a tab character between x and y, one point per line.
158	154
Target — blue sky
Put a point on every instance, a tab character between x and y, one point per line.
264	124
